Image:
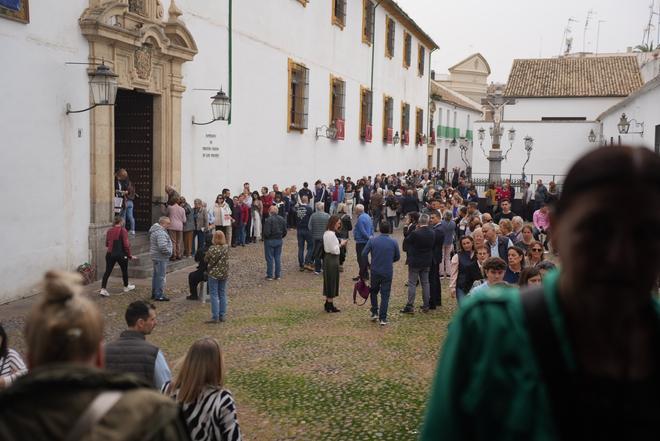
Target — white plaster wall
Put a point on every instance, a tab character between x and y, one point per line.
256	147
533	109
454	153
556	146
644	108
45	163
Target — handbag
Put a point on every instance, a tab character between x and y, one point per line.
362	288
118	251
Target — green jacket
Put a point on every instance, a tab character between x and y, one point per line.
46	403
488	384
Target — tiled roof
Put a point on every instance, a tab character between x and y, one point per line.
574	77
445	94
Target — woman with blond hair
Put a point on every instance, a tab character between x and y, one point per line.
66	395
208	407
217	259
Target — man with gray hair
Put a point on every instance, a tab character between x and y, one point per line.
160	248
361	233
419	247
317	225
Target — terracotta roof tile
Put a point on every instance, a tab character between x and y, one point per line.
574	77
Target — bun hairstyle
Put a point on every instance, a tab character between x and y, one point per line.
64	326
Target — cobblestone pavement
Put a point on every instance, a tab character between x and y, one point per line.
297	373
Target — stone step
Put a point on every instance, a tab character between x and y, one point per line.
142	268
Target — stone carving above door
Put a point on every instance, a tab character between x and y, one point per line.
133	31
142	62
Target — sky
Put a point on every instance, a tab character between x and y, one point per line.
503	30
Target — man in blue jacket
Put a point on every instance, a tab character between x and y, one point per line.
384	252
361	233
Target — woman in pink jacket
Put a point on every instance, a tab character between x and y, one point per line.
177	216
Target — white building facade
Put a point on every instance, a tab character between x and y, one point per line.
453	116
61	166
556	102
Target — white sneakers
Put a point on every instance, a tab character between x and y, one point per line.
383	323
374	317
104	292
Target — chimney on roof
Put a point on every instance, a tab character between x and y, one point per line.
629	49
432	74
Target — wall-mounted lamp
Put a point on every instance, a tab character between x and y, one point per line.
624	126
220	107
102	87
453	143
396	138
592	136
327	132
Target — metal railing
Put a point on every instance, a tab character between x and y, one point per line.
483	180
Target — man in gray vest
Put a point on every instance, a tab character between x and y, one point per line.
132	353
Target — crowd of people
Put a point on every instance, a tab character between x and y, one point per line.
446	235
568	355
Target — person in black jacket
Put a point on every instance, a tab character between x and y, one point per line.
409	203
434	272
199	275
419	244
274	232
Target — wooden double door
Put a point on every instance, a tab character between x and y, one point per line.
134	149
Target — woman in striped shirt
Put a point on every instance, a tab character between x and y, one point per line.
207	406
11	364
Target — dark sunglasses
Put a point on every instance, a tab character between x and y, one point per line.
537	249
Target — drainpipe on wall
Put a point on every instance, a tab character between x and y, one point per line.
373	51
231	95
428	109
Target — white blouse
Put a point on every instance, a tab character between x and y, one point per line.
330	242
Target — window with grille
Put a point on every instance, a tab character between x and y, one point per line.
298	96
405	123
368	21
339	13
421	55
407	49
419	125
388	118
389	35
365	111
337	98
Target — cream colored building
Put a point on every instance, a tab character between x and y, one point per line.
469	77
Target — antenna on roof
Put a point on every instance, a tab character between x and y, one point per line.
590	14
646	39
567	39
598	34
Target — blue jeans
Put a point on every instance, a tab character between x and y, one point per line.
305	237
241	235
158	279
273	252
128	215
460	295
218	294
384	285
200	238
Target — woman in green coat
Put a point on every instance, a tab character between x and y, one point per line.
579	358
